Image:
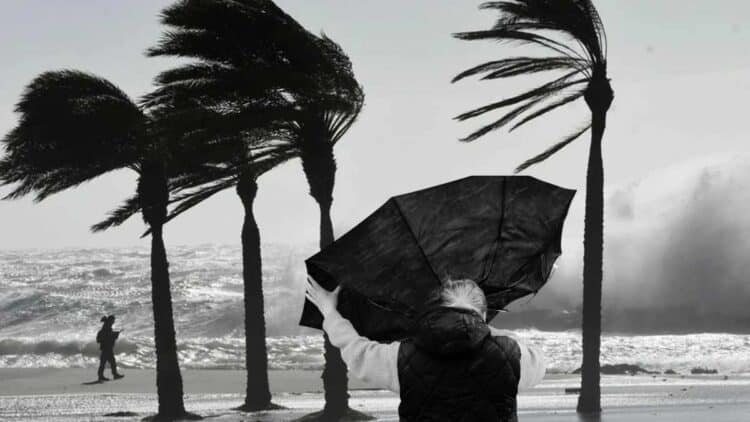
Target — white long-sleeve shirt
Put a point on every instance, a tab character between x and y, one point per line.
377	363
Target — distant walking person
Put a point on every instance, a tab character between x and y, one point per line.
456	368
106	338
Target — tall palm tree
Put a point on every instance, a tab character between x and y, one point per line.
75	127
582	72
320	122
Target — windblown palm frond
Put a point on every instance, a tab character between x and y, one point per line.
201	190
129	208
328	113
237	33
258	81
73	127
549	24
553	149
192	183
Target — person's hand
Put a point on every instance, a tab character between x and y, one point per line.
325	300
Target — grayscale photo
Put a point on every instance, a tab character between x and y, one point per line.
397	210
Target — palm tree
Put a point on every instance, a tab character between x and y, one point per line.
583	69
75	127
321	121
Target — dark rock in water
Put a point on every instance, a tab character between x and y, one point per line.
121	414
620	369
701	371
670	372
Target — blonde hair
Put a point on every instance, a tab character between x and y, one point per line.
463	293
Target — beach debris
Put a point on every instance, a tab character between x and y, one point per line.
572	390
702	371
670	372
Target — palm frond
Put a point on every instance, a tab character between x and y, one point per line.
186	202
577	19
552	150
544	110
73	127
544	90
551	24
507	118
129	208
257	78
520	65
521	37
240	33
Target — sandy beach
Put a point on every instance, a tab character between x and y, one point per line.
67	395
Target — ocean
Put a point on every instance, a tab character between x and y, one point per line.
51	302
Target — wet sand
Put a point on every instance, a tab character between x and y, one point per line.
62	395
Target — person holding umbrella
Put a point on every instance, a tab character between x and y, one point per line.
406	294
454	368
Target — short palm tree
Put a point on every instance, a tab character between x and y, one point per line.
582	72
75	127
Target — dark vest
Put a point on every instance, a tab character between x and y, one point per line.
453	370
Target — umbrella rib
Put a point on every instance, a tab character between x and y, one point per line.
487	270
416	242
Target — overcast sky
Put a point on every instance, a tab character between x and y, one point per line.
680	70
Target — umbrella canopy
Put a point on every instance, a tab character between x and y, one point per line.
503	232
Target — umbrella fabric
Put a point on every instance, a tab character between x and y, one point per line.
501	231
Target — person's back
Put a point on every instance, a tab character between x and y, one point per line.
453	369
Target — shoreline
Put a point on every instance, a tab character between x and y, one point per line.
53	395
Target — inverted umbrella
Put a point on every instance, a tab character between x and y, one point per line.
503	232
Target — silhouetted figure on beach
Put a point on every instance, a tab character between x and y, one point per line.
106	338
454	368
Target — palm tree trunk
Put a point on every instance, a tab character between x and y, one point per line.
319	165
258	393
335	378
593	244
154	194
326	225
168	377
